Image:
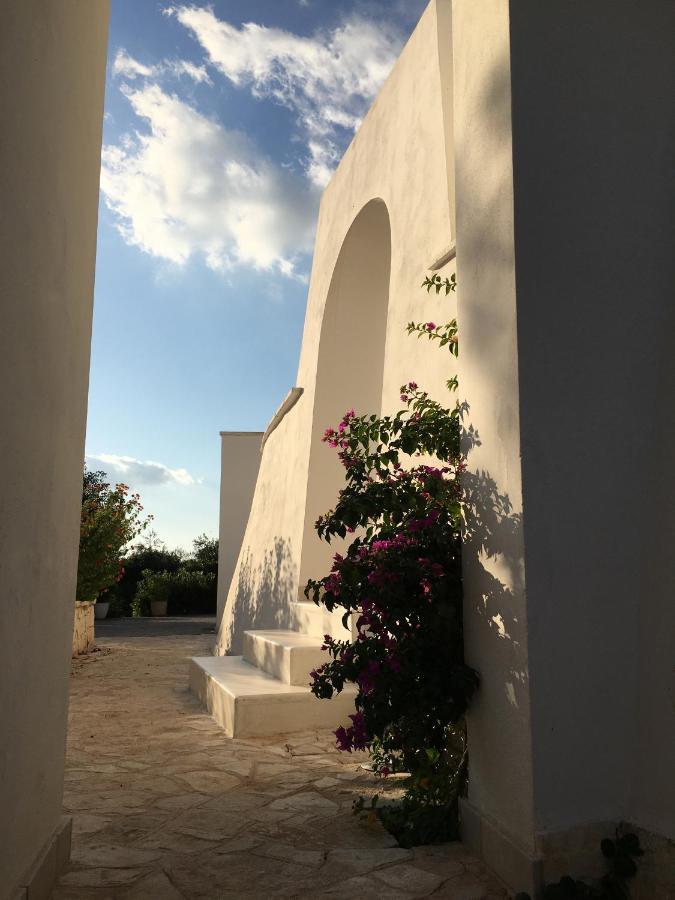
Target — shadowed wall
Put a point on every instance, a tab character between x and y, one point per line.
52	71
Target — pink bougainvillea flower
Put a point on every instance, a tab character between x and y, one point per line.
359	733
368	676
343	740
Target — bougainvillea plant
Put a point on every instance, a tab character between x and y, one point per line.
400	578
110	518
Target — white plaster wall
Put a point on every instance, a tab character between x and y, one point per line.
501	781
561	125
398	157
350	366
593	151
564	143
52	71
239	463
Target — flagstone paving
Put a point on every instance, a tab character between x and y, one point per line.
166	807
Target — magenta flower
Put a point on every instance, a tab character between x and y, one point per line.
367	677
343	740
358	731
430	326
328	642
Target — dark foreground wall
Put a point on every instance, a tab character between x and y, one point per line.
52	72
564	148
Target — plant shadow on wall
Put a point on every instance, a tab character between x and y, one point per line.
492	554
402	578
264	592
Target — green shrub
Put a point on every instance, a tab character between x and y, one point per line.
152	586
193	592
188	592
151	556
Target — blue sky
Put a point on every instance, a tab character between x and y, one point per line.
223	123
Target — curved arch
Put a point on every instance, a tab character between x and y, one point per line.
350	364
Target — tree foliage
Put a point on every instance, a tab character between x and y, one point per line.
191	578
111	517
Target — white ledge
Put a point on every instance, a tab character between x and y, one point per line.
287	405
444	258
239	433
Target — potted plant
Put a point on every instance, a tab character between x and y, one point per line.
101	608
152	593
110	518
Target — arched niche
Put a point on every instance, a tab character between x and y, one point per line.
350	364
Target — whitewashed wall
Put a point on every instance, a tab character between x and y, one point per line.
399	151
240	453
552	125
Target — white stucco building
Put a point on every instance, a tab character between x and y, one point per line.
496	150
535	141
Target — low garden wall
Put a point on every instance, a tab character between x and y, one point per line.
83	628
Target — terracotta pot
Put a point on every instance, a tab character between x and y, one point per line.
101	609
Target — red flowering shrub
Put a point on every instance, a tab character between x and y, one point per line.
110	518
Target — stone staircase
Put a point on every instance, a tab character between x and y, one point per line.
266	691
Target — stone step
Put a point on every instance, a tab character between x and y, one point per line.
288	655
249	703
317	621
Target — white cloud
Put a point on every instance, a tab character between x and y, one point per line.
180	67
186	185
125	66
323	157
189	186
138	471
328	79
128	67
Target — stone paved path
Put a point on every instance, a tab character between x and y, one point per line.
166	807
